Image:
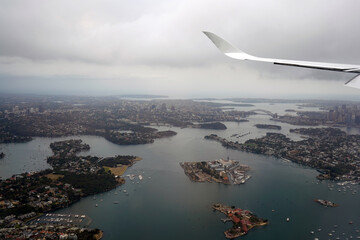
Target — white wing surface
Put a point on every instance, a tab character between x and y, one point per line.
233	52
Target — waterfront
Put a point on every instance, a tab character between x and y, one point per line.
169	205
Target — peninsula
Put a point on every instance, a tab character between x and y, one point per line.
243	220
26	196
334	153
220	171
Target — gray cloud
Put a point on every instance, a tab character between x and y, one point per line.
160	42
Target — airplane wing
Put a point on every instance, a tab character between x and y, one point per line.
233	52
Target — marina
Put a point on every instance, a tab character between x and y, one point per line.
80	220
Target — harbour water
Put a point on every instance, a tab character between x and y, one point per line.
167	205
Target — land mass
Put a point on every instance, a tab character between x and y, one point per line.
28	195
34	231
215	125
220	171
243	220
332	151
268	126
118	120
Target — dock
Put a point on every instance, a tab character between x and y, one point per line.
80	220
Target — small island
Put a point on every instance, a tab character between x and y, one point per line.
241	120
220	171
243	220
213	126
326	203
143	135
268	126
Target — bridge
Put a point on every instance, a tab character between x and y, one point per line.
265	112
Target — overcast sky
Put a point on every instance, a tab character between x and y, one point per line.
157	47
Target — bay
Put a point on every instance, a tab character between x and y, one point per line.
167	205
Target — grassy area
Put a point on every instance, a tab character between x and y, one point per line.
117	171
252	145
54	177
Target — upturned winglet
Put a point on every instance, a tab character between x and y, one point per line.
233	52
227	48
354	82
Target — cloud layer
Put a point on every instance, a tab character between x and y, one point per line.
157	46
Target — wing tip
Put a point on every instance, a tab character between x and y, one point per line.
227	48
353	82
220	43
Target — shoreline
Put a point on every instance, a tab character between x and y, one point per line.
67	178
273	144
243	220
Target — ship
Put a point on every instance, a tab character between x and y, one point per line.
131	176
326	203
